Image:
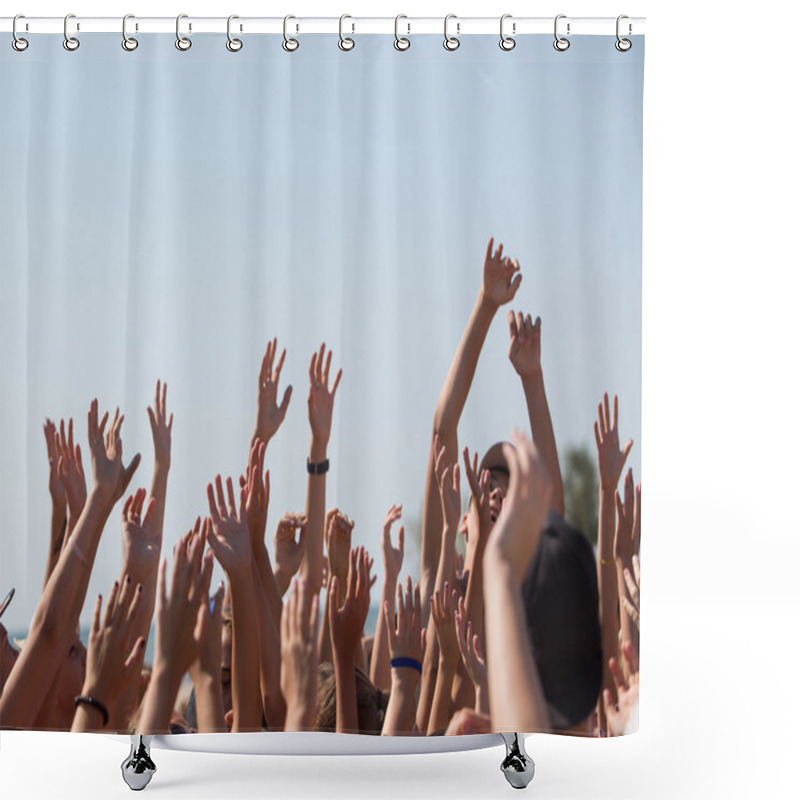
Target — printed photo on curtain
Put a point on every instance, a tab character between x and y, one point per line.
321	382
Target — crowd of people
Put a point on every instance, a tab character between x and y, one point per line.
530	631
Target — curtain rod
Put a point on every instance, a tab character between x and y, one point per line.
300	24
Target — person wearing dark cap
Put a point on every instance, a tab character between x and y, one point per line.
540	596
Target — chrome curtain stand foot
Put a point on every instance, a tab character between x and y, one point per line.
138	768
517	766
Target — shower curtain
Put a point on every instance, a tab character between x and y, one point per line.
457	231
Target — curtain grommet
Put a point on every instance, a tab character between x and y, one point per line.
623	45
183	43
561	43
289	44
451	43
17	42
507	43
70	43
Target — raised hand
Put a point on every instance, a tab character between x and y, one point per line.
619	714
610	459
299	657
70	473
57	492
515	535
501	276
113	661
289	551
320	396
525	350
111	477
632	582
392	557
270	415
443	608
227	531
406	634
182	619
161	426
448	477
406	640
209	656
481	493
624	543
141	542
473	658
338	536
256	490
347	619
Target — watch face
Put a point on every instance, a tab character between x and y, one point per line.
6	601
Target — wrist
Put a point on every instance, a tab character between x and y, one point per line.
531	379
59	508
404	681
318	450
448	663
485	302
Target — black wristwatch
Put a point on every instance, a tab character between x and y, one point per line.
320	468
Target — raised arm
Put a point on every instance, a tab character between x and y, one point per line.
525	354
182	620
267	600
347	626
270	414
448	478
338	538
206	670
299	658
516	698
229	538
56	617
610	463
501	279
480	488
406	643
469	643
380	669
320	414
289	551
443	606
113	661
58	498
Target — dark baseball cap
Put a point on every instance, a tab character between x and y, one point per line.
562	614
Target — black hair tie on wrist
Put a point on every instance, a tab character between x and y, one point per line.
94	703
318	468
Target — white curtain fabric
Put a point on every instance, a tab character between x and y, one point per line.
165	213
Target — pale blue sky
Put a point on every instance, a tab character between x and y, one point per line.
165	213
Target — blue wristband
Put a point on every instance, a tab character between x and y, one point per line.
403	661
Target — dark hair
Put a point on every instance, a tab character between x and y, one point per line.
562	613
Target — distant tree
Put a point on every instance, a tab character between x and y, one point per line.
580	491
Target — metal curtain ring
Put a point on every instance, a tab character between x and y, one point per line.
451	42
234	45
561	43
70	42
345	42
18	43
290	45
181	42
623	45
128	42
506	42
400	42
